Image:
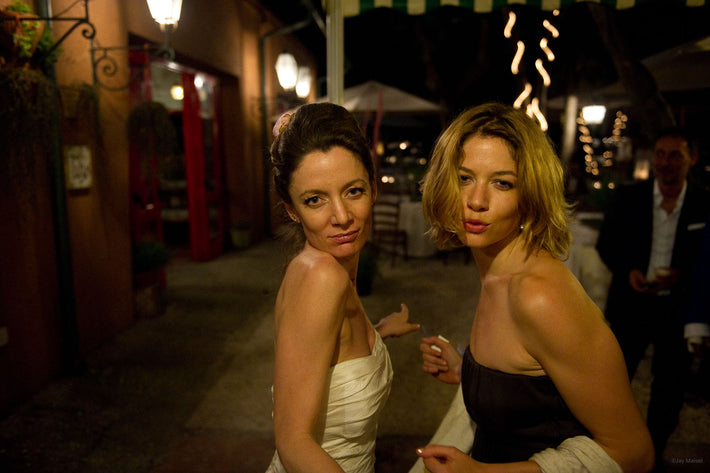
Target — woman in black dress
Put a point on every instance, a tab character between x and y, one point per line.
543	376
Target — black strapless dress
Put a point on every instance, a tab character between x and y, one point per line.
515	415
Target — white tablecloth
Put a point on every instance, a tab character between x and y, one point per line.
411	220
584	261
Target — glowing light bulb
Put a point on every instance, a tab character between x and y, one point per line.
546	49
514	66
593	114
549	26
538	114
509	25
523	95
543	73
177	93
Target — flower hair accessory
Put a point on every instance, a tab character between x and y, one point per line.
282	123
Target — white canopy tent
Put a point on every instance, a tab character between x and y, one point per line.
685	67
366	97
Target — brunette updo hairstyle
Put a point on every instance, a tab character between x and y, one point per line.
315	127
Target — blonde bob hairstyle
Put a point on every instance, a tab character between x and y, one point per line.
540	183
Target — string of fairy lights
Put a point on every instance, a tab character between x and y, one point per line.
526	97
531	102
607	159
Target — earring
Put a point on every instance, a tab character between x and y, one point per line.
293	217
522	227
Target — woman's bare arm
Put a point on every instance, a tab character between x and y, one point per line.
565	331
309	320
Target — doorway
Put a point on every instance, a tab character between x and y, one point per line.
189	191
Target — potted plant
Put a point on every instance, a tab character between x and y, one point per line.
241	235
25	41
148	264
30	114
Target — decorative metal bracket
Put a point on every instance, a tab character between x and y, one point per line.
89	30
103	65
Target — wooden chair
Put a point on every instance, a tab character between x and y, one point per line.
387	235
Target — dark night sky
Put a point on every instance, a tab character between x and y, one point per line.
470	56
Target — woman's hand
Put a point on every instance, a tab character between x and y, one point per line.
443	459
396	324
440	359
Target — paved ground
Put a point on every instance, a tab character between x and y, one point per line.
188	392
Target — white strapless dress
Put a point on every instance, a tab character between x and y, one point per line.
358	391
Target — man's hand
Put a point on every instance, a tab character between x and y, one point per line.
698	345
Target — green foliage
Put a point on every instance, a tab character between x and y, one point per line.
26	42
44	54
30	114
149	256
151	131
18	6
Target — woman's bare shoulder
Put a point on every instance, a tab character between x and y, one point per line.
547	290
551	308
311	295
314	270
313	263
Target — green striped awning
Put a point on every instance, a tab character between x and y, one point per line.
418	7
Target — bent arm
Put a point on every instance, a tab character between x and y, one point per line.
566	333
580	454
309	320
396	324
441	360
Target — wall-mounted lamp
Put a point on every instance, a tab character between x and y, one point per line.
287	71
167	14
593	114
164	12
177	93
303	84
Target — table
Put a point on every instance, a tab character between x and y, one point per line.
584	261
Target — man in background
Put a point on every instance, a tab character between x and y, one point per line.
649	240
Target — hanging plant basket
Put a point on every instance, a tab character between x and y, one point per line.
152	133
25	41
20	36
30	114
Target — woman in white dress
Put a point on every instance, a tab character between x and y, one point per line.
332	372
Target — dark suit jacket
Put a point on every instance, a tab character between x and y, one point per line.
700	294
625	242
